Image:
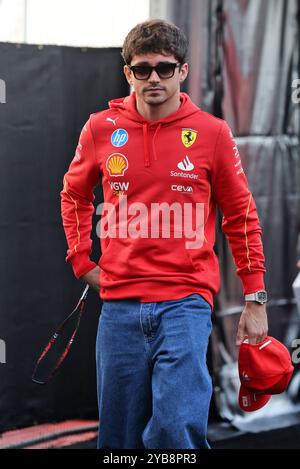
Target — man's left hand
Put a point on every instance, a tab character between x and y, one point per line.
253	323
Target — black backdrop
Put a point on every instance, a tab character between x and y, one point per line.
50	92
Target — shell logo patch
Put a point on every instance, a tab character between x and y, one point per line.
116	164
188	137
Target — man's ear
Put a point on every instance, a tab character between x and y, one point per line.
184	70
127	74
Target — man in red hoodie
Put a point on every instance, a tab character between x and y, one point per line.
165	165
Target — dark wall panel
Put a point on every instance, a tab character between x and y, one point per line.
50	92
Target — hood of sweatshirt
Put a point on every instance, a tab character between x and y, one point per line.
127	107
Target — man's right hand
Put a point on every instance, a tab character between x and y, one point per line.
298	264
92	278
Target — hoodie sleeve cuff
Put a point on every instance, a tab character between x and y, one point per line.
252	282
81	264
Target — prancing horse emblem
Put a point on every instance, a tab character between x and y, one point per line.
188	137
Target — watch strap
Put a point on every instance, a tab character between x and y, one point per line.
250	297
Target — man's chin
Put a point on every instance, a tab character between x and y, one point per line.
155	100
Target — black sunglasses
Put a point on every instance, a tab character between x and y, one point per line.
163	69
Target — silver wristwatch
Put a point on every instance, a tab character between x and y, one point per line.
259	296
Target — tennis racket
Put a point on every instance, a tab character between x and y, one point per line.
59	345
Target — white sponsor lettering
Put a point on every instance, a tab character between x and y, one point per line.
185	189
119	186
77	156
184	175
236	155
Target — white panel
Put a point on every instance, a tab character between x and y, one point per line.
12	20
91	23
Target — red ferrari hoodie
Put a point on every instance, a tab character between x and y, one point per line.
161	182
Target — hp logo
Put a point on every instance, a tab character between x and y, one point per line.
119	138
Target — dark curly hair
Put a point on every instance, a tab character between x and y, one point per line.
155	36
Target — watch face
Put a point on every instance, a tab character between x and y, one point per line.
262	296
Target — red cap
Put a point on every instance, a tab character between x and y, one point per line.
264	369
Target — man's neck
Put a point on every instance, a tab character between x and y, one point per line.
157	112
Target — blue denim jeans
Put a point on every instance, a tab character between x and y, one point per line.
154	388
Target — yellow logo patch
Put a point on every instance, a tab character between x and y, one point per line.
188	137
116	164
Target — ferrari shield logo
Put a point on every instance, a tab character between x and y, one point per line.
188	137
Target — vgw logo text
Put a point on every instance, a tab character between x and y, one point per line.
2	91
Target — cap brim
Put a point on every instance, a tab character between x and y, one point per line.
250	401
